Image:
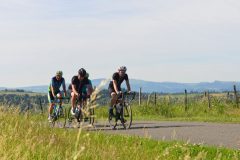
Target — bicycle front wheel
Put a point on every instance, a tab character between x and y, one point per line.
113	119
127	116
61	118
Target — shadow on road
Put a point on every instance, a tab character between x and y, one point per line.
139	126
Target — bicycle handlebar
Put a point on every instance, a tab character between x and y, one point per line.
127	93
61	98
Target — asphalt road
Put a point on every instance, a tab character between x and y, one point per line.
211	134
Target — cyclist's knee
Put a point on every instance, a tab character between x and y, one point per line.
114	96
51	105
73	96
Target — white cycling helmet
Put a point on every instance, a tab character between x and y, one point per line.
122	68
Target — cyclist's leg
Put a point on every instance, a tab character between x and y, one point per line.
51	104
113	95
113	98
73	102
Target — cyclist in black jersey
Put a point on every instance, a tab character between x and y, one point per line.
81	88
115	86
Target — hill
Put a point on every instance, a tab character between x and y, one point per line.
161	87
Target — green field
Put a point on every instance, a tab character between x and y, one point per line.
173	108
28	136
168	108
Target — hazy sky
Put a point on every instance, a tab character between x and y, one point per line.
158	40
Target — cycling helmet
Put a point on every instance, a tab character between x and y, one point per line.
122	68
82	72
59	73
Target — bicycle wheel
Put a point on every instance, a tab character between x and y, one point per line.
112	119
69	117
61	117
53	117
127	116
53	120
72	120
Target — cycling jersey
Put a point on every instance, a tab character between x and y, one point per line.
56	85
118	79
81	85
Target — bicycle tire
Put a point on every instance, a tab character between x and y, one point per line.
59	118
62	118
113	120
126	119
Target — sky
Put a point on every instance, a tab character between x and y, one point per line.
158	40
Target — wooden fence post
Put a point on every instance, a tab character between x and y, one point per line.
155	98
186	100
236	95
209	100
41	107
140	96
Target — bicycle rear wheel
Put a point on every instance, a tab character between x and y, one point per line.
127	116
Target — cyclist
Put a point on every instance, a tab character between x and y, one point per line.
81	88
54	90
115	86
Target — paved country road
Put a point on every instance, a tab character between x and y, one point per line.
212	134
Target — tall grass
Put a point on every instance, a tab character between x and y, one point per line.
28	136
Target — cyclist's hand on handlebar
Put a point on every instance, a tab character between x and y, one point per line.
119	92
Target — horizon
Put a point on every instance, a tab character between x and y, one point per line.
162	41
39	85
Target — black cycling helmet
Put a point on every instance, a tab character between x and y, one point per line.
82	72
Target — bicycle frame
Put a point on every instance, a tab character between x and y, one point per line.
58	110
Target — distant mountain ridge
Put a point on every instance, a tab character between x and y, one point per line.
161	87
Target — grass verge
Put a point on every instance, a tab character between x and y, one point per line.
28	137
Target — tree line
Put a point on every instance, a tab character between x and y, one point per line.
23	101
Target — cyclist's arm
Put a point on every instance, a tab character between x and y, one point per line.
74	90
128	85
115	86
64	89
52	89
